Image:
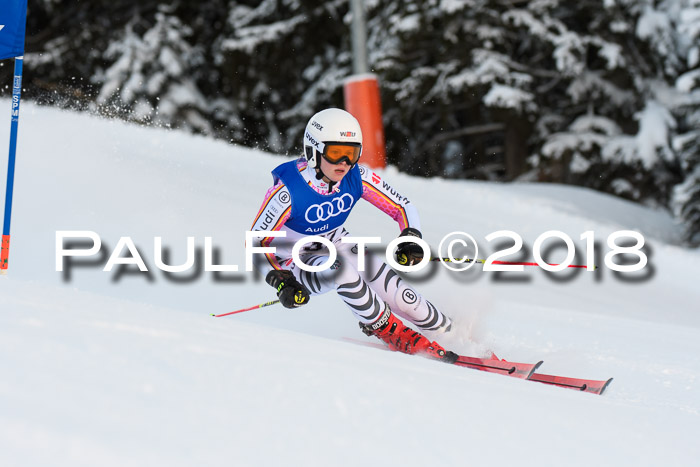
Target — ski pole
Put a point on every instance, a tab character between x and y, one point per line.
247	309
513	263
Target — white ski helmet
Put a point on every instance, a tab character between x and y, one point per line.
330	126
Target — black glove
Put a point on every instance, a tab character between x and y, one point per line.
409	253
291	293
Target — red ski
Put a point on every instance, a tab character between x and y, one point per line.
517	370
492	365
526	371
585	385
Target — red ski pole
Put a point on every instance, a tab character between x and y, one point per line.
247	309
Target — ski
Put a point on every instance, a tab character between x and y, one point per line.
585	385
525	371
514	369
491	365
592	386
517	370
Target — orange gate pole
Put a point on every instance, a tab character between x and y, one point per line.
362	100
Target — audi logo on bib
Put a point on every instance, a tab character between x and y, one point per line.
324	211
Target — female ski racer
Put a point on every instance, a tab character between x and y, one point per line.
313	196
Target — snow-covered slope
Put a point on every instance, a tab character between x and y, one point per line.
109	368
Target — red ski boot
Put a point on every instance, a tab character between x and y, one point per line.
398	336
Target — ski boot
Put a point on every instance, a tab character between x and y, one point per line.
399	337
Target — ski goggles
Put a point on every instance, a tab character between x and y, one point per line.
335	153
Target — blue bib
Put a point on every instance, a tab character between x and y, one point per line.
313	213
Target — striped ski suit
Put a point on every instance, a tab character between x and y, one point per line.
366	293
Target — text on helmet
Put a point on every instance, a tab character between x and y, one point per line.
312	140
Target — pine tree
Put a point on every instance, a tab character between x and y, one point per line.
150	77
686	195
599	93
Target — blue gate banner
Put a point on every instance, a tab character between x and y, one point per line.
13	22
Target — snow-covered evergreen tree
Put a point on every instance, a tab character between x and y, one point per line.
686	142
647	47
686	195
283	61
600	93
150	77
